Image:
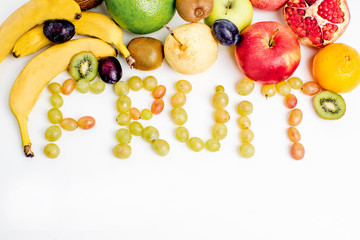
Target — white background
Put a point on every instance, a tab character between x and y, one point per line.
87	193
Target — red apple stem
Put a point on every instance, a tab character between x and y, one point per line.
172	34
271	41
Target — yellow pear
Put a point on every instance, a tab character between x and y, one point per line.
191	48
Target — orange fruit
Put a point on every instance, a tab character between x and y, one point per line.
337	68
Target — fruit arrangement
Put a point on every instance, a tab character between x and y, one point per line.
267	54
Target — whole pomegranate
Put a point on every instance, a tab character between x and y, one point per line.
317	23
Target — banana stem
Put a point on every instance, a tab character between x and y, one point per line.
125	52
130	61
28	152
25	136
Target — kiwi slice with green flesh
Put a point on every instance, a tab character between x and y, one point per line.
329	105
84	65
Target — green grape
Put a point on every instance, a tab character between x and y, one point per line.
219	131
283	88
52	150
183	86
135	83
244	122
54	87
220	100
213	145
55	116
247	150
178	99
221	116
246	136
245	86
135	128
146	114
123	135
150	134
123	104
122	151
268	90
179	116
245	108
150	83
53	133
123	119
219	88
161	147
196	144
98	87
121	88
56	100
83	86
182	134
295	83
69	124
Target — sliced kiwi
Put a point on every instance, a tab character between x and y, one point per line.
84	65
329	105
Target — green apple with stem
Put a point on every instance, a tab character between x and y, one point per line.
240	12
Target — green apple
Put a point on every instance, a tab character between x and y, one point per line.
240	12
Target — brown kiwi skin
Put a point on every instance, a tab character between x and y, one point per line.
88	4
194	10
148	53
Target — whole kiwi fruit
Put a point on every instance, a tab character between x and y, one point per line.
148	53
88	4
194	10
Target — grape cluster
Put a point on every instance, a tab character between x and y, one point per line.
179	116
55	116
246	149
284	88
245	87
128	116
297	150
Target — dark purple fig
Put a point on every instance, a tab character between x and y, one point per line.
110	70
59	31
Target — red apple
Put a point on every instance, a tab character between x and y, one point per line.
268	5
268	52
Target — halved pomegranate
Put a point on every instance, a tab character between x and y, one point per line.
317	23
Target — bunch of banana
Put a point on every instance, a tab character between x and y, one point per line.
31	14
91	24
33	78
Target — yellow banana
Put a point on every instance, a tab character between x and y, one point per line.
40	71
31	14
91	24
